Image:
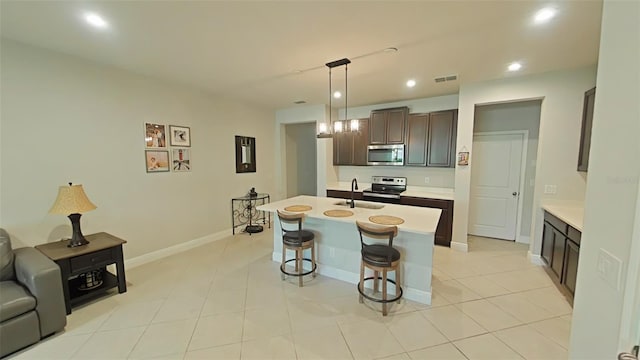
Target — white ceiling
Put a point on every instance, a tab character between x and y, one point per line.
273	53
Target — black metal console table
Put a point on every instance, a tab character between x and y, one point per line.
244	212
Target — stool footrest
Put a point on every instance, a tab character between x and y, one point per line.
376	299
313	268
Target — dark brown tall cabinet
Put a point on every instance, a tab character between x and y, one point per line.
431	139
350	148
387	126
585	134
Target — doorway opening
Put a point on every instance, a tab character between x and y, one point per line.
505	147
300	150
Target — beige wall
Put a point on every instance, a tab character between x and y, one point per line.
64	119
612	191
562	96
516	116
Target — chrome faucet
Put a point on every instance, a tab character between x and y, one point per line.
353	182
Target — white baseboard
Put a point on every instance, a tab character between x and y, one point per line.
523	239
458	246
535	259
175	249
421	296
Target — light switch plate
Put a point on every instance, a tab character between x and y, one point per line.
609	268
427	180
549	189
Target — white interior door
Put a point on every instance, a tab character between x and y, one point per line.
495	184
630	320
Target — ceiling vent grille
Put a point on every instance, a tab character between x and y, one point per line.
441	79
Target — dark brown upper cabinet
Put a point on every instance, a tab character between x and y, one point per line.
431	139
441	135
417	125
386	126
350	148
585	134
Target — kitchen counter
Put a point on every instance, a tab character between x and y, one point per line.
572	214
413	191
338	243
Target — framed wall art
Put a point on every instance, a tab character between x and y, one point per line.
155	135
179	136
157	160
181	160
245	154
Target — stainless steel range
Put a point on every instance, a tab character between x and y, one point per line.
385	189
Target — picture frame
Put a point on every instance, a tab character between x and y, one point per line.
156	160
155	135
245	154
180	136
180	160
463	158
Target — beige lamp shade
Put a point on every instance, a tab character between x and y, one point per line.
71	200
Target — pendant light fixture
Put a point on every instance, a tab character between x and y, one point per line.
327	131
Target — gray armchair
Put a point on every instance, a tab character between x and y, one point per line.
31	298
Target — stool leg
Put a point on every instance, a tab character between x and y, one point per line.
361	283
384	292
376	274
296	262
284	253
299	256
313	259
398	282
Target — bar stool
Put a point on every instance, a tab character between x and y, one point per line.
381	258
297	240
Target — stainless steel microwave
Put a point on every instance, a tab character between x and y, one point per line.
385	154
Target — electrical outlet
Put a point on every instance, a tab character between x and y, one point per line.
550	189
532	182
332	252
427	180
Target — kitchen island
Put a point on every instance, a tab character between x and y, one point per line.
338	243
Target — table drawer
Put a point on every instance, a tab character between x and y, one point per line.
89	261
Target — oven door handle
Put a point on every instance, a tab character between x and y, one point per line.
388	196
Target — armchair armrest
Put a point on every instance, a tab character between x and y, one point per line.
41	276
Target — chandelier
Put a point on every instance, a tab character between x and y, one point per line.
327	130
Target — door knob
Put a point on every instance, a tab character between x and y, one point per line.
514	193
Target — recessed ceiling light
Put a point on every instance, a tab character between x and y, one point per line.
96	20
337	94
515	66
390	49
411	83
543	15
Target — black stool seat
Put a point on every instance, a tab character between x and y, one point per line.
379	255
292	238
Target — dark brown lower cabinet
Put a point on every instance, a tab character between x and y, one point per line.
445	225
342	194
560	252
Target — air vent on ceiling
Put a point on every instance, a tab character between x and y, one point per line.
300	102
444	78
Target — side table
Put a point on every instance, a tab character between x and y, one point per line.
78	263
243	211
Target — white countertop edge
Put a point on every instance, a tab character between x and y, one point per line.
572	214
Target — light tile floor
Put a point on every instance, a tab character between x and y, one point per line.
225	300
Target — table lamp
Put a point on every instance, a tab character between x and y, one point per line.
72	201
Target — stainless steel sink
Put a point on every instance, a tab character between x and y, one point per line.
360	204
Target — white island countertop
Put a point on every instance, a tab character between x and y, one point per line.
416	219
569	213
